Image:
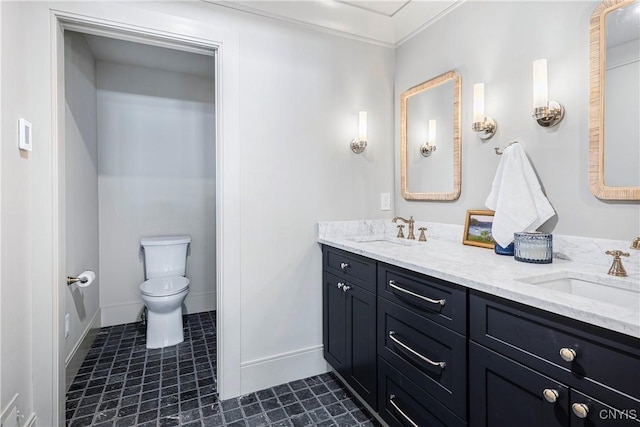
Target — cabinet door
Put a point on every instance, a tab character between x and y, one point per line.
334	322
361	343
505	393
618	411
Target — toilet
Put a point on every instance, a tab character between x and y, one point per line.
165	289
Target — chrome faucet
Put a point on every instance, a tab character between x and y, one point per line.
409	221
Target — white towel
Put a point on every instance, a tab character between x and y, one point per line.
516	197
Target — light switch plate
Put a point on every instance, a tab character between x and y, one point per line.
385	202
24	135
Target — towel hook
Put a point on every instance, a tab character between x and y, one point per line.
499	153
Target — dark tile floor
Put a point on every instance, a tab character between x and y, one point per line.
121	383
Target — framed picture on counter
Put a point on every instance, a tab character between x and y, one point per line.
477	229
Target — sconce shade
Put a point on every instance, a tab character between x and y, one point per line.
359	143
432	133
478	102
362	126
540	85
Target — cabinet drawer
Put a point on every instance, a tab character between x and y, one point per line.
435	299
402	403
433	356
357	269
535	338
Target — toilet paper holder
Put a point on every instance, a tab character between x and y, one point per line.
72	280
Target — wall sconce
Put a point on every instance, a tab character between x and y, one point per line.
547	113
359	143
429	147
486	126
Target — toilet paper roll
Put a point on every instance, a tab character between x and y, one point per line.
89	275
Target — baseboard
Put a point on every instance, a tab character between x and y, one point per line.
79	352
281	368
129	312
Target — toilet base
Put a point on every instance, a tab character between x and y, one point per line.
164	329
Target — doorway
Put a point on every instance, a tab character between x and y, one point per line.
226	204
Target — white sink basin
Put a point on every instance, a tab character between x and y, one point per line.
608	289
386	239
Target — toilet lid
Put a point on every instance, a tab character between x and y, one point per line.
164	286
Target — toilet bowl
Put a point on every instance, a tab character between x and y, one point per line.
165	288
163	297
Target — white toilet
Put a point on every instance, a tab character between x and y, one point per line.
165	289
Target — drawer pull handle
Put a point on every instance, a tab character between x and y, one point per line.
581	410
550	395
345	288
340	285
442	302
567	354
415	353
406	417
344	265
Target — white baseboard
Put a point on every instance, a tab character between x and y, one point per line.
129	312
281	368
80	350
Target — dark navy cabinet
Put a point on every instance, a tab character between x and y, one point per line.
425	352
349	320
533	368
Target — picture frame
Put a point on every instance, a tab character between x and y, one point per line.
477	229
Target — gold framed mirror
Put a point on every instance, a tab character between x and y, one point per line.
430	139
614	101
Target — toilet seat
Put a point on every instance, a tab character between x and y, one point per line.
164	286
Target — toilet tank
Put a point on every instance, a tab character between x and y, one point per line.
165	256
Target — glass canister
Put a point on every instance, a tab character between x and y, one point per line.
533	247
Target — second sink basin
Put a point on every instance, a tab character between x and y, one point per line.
612	290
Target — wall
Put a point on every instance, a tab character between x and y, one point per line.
81	152
156	137
496	43
297	109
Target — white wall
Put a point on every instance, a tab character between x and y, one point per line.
81	151
16	217
496	43
156	133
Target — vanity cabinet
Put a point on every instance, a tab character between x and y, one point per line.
425	352
349	320
422	337
532	368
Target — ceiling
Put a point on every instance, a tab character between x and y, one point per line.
385	22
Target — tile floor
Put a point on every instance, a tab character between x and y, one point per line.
121	383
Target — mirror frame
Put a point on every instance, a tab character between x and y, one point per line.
597	59
455	77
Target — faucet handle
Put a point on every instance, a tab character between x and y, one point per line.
400	232
423	237
636	243
616	267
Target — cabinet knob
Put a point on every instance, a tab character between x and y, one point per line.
344	265
567	354
345	288
581	410
550	395
340	285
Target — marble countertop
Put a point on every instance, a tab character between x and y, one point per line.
483	270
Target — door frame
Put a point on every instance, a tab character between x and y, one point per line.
224	46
